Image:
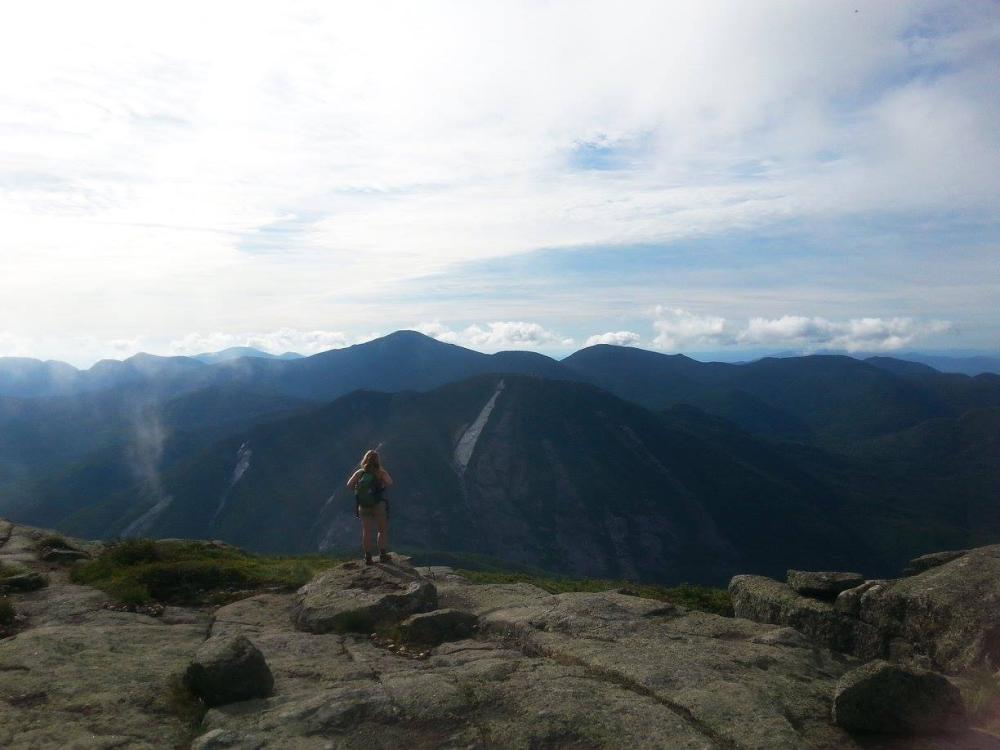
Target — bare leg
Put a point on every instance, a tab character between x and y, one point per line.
383	534
367	526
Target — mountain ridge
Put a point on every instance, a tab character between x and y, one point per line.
546	469
804	437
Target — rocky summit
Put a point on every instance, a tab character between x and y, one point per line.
393	656
947	616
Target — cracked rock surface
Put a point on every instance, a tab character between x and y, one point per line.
83	676
575	670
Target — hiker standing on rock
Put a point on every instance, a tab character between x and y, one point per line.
369	483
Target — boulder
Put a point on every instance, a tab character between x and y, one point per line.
949	613
925	562
765	600
29	581
946	617
356	598
229	670
885	698
432	628
822	585
849	602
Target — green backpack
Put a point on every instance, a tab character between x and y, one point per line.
368	490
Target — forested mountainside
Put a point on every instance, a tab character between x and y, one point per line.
614	462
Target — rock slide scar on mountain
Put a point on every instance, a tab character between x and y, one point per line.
369	484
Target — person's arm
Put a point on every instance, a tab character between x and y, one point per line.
352	483
386	479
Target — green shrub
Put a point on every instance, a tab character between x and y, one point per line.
6	571
52	541
185	580
138	571
691	596
133	552
7	612
128	592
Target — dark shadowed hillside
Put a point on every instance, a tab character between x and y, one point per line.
823	461
58	455
404	360
539	473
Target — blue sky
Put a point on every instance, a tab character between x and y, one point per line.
688	176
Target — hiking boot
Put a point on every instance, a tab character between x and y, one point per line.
384	557
368	559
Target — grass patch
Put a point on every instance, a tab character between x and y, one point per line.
141	571
703	598
52	541
182	703
6	571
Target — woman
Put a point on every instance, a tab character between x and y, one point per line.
369	483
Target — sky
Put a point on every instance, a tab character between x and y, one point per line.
682	176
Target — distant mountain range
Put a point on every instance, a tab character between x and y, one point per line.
963	363
970	365
22	377
235	352
612	462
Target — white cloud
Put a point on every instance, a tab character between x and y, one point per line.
498	335
676	329
513	335
857	334
680	329
439	331
275	164
617	338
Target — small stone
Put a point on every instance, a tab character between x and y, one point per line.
890	699
229	670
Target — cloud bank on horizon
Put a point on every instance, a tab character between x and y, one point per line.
689	175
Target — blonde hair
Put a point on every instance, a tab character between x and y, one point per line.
370	462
